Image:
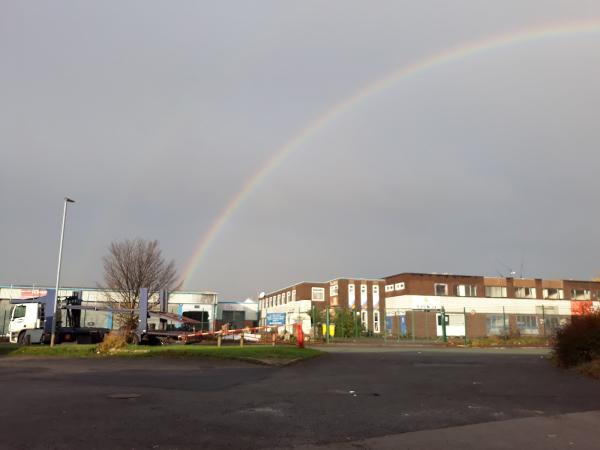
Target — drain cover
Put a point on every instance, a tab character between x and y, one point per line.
124	396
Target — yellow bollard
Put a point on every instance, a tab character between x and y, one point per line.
242	340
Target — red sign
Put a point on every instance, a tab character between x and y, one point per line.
581	307
31	293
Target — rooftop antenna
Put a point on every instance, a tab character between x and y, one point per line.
522	264
510	272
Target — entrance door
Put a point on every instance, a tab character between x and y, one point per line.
455	324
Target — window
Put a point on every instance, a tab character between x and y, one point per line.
278	300
524	292
318	294
364	320
389	288
466	290
554	294
527	324
440	289
294	295
399	286
289	296
495	291
581	294
376	326
19	312
363	288
496	324
333	289
375	289
552	324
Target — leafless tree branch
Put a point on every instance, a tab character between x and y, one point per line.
131	265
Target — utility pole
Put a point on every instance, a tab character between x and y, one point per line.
62	235
444	336
327	325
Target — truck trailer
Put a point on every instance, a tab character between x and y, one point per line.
31	320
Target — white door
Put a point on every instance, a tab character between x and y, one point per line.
455	324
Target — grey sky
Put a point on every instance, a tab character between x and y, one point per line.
153	114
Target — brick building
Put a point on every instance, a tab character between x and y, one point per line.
412	303
298	301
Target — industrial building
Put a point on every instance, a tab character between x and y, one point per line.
202	306
297	301
412	304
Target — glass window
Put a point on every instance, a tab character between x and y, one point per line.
495	324
389	288
399	286
364	319
554	294
495	291
333	289
318	294
19	312
441	289
527	324
466	290
294	295
581	294
376	326
524	292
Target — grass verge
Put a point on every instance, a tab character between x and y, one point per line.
510	342
255	353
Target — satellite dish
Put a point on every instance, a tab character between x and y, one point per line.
261	295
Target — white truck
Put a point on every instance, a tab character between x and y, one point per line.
31	321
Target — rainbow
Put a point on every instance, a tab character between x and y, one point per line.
446	56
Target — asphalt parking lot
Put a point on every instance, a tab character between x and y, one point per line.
341	397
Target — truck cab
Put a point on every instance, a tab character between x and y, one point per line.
24	317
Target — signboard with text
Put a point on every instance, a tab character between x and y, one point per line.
275	319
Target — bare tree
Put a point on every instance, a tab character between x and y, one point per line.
131	265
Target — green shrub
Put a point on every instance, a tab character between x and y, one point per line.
578	342
347	323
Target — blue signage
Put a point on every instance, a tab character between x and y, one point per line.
274	319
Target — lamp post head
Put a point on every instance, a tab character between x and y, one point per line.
69	200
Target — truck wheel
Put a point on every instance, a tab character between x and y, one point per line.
21	338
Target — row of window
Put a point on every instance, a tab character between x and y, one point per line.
395	287
278	299
440	289
467	290
526	324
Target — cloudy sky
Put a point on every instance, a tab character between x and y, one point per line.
154	115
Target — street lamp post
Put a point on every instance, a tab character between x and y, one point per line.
55	306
